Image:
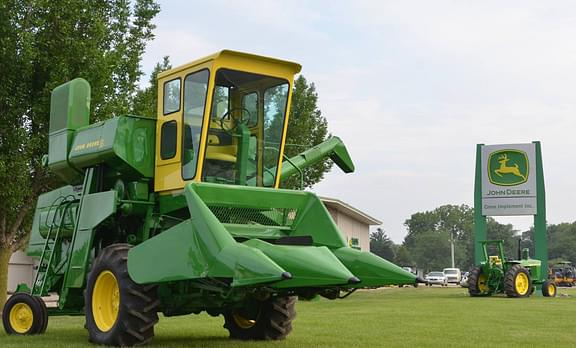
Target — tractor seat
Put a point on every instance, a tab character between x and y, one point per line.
495	260
220	147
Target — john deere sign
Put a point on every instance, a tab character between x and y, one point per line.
508	182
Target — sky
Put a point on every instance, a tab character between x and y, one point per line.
410	87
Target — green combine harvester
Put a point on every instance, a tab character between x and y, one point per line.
181	213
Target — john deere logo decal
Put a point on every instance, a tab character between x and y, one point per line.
508	167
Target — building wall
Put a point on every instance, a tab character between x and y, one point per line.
20	270
352	228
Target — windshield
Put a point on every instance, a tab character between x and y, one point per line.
435	274
450	271
246	127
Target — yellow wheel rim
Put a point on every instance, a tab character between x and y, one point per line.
242	322
482	286
522	283
551	290
21	318
105	301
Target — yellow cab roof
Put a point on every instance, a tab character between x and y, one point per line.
229	54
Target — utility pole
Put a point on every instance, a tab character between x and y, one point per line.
452	247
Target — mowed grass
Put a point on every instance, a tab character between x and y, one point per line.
394	317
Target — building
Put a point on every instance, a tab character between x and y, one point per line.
354	224
20	270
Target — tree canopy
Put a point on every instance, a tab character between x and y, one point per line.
42	45
427	244
306	128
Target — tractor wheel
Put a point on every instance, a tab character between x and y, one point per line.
119	312
477	282
267	320
549	288
517	282
24	314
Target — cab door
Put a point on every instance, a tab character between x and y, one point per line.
169	134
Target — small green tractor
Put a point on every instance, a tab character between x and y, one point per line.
515	278
181	212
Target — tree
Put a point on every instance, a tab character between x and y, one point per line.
430	232
42	45
306	128
146	100
382	245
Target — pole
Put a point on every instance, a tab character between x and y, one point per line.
452	248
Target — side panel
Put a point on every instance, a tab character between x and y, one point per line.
95	208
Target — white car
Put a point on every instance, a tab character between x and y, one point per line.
438	278
453	275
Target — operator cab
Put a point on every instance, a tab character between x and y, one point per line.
223	119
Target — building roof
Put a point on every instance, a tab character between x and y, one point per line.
350	211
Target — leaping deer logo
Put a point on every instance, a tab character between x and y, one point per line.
505	169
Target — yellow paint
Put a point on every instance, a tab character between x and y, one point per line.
21	318
551	290
482	285
168	173
105	301
505	169
90	145
522	283
242	322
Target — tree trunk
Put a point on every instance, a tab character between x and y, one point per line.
5	254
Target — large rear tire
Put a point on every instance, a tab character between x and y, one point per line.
477	283
267	320
119	312
517	282
549	288
24	314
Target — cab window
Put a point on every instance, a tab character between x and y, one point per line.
195	88
171	96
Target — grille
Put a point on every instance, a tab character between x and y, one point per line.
250	216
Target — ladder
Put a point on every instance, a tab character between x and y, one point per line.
47	272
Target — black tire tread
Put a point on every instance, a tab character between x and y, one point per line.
39	313
545	291
138	309
473	277
273	323
509	281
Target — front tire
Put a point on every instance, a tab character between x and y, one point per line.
517	282
119	312
549	289
267	320
24	314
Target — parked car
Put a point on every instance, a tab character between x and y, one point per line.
438	278
453	275
464	281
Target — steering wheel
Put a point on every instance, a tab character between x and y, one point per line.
238	121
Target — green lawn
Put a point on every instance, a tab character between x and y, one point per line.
405	317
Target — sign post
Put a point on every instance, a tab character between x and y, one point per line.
510	182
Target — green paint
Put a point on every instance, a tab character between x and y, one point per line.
540	236
479	219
